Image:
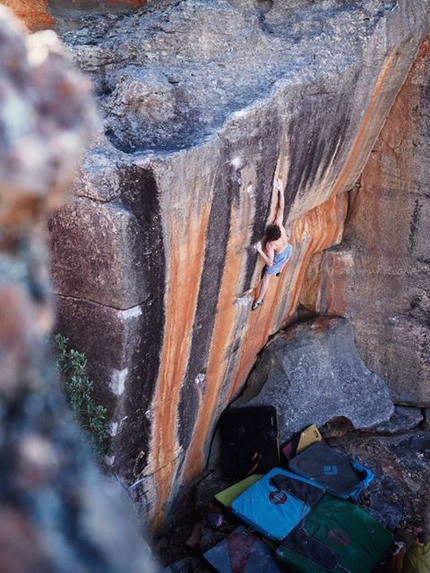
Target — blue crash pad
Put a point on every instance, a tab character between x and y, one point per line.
276	503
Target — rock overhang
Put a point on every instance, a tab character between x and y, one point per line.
168	80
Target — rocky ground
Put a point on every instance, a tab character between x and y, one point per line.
398	453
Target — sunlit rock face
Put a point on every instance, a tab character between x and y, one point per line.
57	513
152	258
380	277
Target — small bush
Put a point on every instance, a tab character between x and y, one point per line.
78	388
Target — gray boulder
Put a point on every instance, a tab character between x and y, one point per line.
313	373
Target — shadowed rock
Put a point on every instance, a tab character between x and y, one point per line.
379	278
402	420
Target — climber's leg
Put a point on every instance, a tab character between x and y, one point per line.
263	289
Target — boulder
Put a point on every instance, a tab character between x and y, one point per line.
311	373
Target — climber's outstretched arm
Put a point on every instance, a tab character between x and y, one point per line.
279	217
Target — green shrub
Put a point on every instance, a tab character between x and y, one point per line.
78	388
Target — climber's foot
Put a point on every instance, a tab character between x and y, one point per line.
256	305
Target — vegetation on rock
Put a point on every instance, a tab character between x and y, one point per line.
78	388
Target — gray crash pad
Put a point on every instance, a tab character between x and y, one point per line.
312	373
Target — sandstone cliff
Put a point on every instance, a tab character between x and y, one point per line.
379	276
204	104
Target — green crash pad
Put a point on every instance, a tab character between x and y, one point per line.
335	536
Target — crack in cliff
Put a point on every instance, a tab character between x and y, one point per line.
134	307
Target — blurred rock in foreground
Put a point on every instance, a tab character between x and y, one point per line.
57	512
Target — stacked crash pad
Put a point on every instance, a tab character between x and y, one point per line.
250	445
335	472
303	515
300	526
276	503
227	496
301	441
336	536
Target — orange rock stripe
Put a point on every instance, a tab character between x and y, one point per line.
369	117
183	273
222	338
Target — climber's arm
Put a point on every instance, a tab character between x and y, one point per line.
267	254
279	218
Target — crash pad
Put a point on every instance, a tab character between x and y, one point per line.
326	466
242	552
228	495
276	503
301	441
335	536
249	440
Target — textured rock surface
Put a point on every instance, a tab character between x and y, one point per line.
57	513
197	126
398	496
44	14
379	278
404	418
313	373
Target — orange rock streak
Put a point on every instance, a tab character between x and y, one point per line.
182	290
366	128
33	14
223	337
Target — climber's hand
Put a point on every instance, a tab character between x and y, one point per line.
278	185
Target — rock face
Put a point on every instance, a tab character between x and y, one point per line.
313	373
398	495
152	258
379	277
57	512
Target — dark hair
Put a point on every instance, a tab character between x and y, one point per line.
273	232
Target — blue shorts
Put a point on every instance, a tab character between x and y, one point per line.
279	261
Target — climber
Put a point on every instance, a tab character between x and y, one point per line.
277	250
